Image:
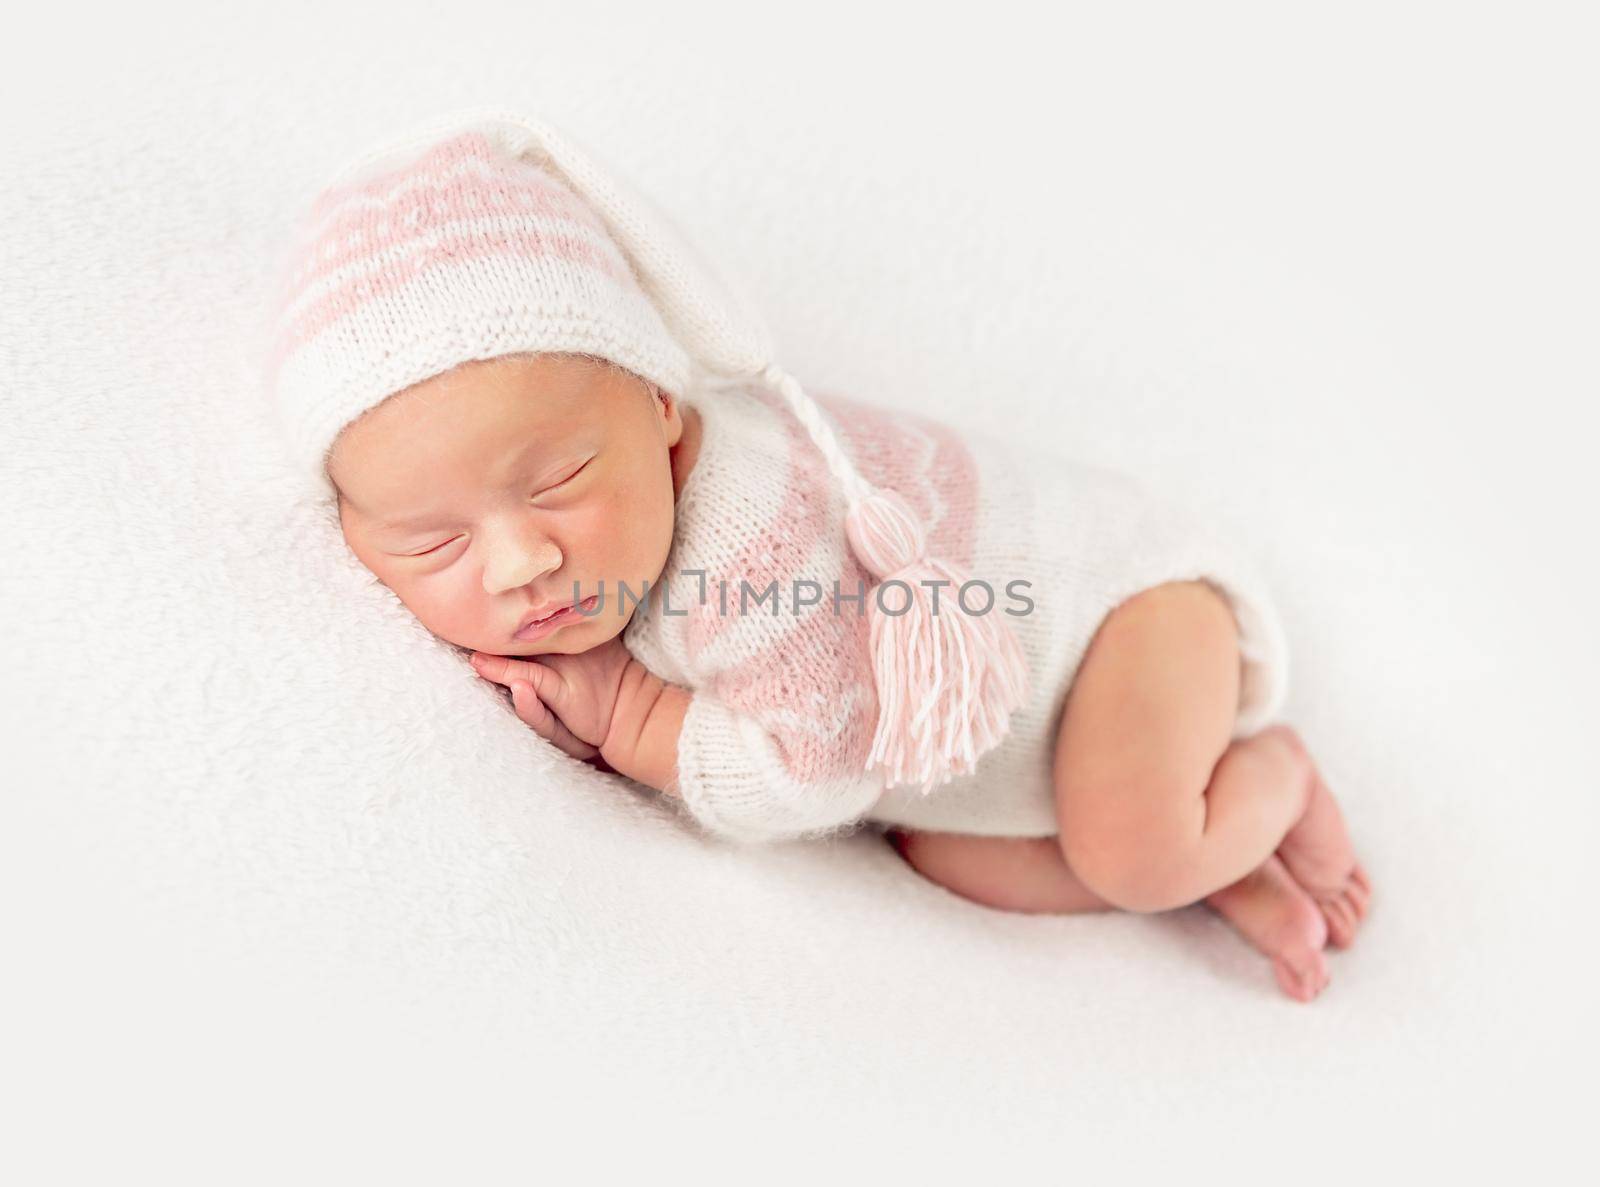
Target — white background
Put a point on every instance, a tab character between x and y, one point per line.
1327	271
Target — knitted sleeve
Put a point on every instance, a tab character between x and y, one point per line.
770	629
775	740
735	778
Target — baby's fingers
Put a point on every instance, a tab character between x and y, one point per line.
502	669
545	723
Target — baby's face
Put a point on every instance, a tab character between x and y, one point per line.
508	485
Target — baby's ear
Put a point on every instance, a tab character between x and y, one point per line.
671	413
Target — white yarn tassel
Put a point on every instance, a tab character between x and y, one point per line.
947	682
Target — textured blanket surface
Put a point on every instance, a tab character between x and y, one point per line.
288	886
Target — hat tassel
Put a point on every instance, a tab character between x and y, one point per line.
947	680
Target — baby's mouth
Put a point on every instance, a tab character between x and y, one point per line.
571	608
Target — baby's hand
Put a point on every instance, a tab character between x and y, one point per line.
567	699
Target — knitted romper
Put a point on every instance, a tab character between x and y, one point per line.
777	734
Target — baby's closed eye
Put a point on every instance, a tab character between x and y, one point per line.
570	477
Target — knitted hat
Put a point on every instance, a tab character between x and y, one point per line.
487	233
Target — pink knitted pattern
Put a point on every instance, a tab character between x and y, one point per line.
810	681
463	217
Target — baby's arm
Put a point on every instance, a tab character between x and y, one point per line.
642	742
739	779
731	773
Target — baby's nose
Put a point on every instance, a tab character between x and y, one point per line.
515	562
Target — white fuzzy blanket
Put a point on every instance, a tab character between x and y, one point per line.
288	887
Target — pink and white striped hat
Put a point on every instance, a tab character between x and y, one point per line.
487	233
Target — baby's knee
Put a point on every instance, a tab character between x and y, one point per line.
1136	867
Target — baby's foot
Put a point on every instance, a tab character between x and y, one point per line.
1271	911
1318	855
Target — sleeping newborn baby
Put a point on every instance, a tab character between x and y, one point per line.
560	439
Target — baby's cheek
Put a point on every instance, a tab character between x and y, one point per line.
604	529
650	529
446	596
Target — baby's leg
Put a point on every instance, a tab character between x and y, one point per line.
1029	874
1158	807
1319	856
1025	874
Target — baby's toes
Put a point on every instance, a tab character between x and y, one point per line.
1302	975
1341	919
1359	898
1358	876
